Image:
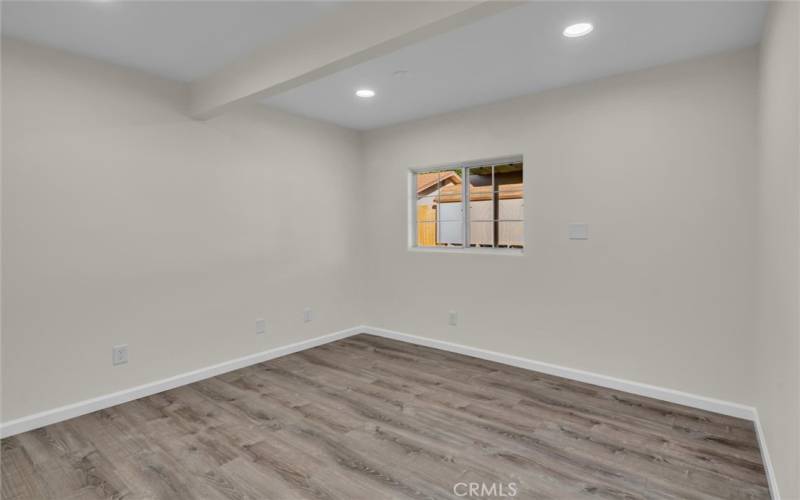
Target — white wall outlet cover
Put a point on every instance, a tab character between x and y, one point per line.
119	354
307	315
579	231
452	318
261	326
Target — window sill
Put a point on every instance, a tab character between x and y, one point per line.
510	252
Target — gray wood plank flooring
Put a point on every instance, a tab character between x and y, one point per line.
371	418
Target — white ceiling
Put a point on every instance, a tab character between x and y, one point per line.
179	40
521	51
512	53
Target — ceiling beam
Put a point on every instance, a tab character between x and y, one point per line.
352	34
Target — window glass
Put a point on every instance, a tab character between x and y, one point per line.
491	217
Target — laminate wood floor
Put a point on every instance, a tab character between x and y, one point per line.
370	418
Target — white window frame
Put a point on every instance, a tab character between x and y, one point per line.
412	207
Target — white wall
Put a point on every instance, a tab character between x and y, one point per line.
659	163
124	221
777	345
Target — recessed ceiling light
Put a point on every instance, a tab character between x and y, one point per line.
365	93
578	29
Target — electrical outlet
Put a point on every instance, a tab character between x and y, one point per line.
261	327
119	354
452	319
307	315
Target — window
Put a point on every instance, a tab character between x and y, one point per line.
469	206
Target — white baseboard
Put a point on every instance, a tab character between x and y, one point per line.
762	443
652	391
89	405
704	403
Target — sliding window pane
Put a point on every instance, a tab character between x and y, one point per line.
427	194
480	176
426	234
451	212
426	209
508	175
495	206
510	209
427	183
510	234
481	234
481	211
450	193
481	207
450	234
509	192
480	192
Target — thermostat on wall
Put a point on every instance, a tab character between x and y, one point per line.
579	231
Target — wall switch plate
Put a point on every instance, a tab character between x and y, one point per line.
261	326
452	318
579	231
119	354
307	315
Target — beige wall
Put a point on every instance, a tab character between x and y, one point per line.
659	163
777	346
124	221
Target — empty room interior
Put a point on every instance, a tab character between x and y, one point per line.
374	250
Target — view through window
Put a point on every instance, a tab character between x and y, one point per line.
492	217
